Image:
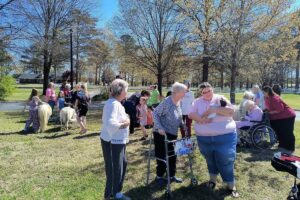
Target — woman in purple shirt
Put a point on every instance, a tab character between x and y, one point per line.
216	135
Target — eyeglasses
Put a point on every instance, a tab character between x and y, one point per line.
208	91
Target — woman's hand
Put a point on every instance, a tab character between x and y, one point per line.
208	112
125	124
161	132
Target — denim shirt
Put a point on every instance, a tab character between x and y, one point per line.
167	116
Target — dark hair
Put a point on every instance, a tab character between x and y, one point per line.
169	93
203	86
267	89
154	87
277	89
145	93
34	92
119	77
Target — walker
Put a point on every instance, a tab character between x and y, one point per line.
184	146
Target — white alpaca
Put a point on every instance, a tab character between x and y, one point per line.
66	115
44	113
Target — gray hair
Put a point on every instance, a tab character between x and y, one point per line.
117	86
248	95
178	87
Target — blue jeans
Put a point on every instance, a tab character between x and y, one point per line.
220	153
52	104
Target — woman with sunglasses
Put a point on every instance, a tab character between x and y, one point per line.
216	135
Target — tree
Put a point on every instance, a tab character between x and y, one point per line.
85	30
242	22
203	16
155	28
48	23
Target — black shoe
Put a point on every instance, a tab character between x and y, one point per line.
176	179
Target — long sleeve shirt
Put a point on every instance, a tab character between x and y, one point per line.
274	103
167	116
112	118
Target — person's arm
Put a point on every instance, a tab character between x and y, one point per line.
277	105
113	124
158	112
193	115
76	104
227	111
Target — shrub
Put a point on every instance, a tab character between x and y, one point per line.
7	86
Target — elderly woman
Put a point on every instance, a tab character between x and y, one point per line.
241	109
216	135
114	136
258	97
167	119
282	119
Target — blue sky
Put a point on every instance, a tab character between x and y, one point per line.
108	8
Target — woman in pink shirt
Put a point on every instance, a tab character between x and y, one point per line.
216	135
50	95
282	119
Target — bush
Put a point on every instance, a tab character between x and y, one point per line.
7	86
101	97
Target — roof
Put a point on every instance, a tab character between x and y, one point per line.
30	76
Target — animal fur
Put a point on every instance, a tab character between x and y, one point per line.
44	113
66	115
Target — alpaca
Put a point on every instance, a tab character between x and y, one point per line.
66	115
44	113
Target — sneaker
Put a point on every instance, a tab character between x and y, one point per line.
121	196
176	179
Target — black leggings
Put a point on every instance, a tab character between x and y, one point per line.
284	129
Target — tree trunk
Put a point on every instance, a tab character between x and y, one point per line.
96	75
205	62
222	77
46	72
159	81
233	77
297	76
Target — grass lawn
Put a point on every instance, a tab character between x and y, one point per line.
64	165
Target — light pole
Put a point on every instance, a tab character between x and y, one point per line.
71	56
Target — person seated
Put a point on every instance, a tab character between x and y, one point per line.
254	115
241	108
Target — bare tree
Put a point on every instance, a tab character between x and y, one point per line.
155	27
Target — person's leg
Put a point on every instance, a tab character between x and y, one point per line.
206	148
182	131
159	148
118	161
132	124
35	121
79	120
172	156
275	125
288	137
144	131
123	170
106	149
29	121
225	157
189	126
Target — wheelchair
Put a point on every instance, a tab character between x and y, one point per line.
260	135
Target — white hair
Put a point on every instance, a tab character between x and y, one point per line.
248	103
248	95
178	87
117	86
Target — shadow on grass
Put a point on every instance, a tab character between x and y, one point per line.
258	154
86	136
55	135
14	133
200	192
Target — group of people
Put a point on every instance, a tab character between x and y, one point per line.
77	99
214	126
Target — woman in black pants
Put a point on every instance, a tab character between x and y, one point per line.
167	119
282	119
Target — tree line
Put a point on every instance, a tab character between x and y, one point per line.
232	43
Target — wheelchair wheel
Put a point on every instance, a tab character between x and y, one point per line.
263	137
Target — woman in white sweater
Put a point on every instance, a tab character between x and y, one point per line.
114	136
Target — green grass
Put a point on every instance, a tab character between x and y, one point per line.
63	165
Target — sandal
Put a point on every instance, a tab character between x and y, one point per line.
210	185
233	192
